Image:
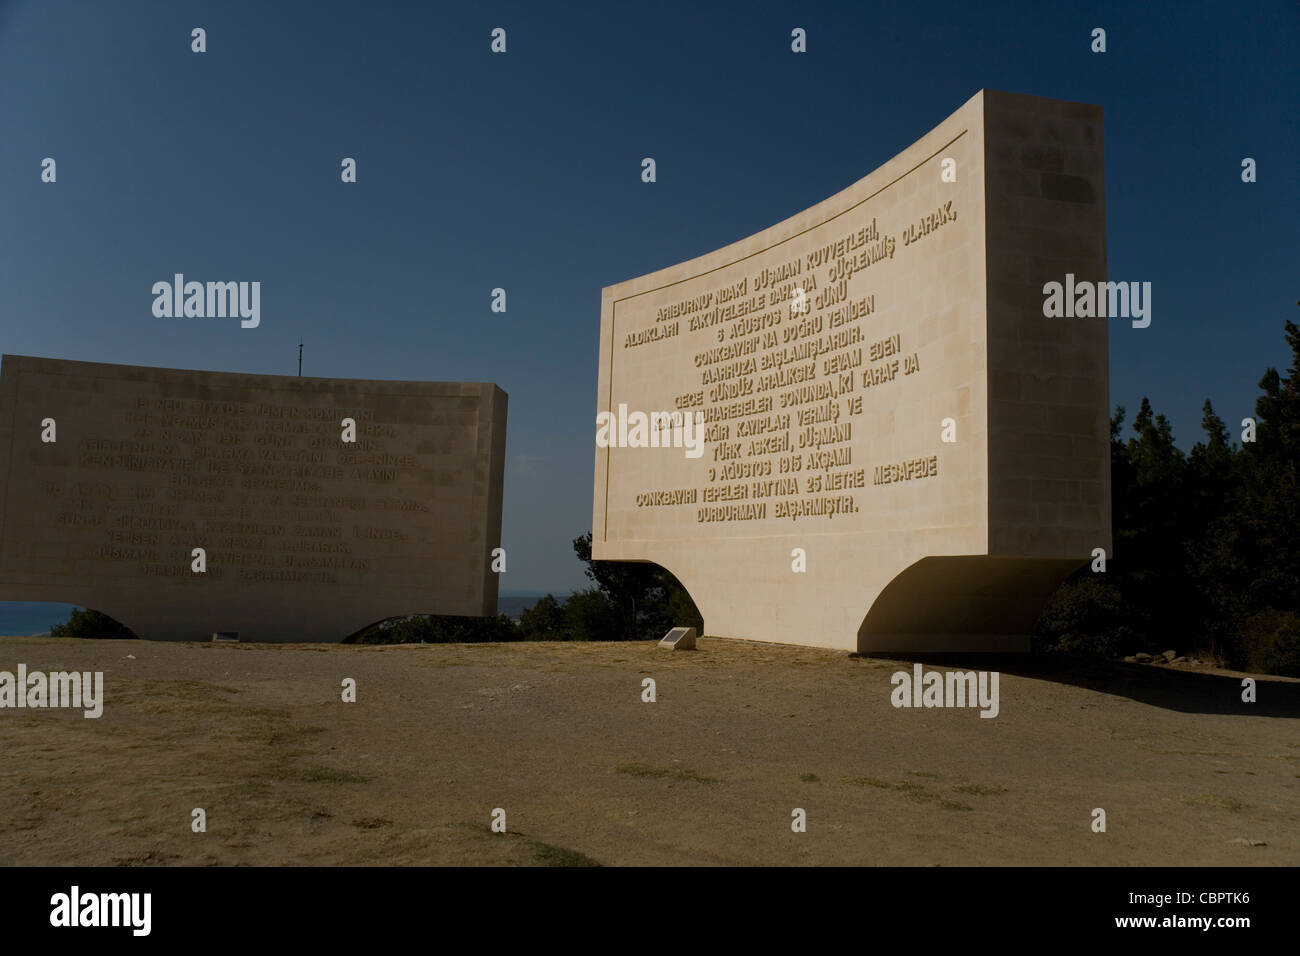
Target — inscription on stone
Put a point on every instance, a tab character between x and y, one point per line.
825	356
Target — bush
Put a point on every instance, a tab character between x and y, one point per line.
1087	616
94	624
646	600
438	629
544	621
682	611
1270	643
591	616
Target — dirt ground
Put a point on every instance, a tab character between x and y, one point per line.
557	736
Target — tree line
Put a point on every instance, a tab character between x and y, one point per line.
1206	544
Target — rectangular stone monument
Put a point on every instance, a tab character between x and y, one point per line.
900	451
305	536
679	639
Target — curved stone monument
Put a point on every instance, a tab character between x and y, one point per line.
305	536
900	451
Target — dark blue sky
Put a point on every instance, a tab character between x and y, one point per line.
523	171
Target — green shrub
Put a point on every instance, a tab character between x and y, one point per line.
1270	643
591	616
438	629
94	624
544	621
1087	616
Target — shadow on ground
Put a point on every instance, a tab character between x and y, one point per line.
1185	691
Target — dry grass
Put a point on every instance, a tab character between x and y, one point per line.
557	736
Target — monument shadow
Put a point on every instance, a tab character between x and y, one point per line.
1188	692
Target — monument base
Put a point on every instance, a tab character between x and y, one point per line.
979	603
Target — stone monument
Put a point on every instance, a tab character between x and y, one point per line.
899	450
187	503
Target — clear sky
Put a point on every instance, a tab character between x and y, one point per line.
522	171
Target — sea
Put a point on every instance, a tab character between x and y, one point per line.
25	618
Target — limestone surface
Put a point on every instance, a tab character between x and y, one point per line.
899	450
185	503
